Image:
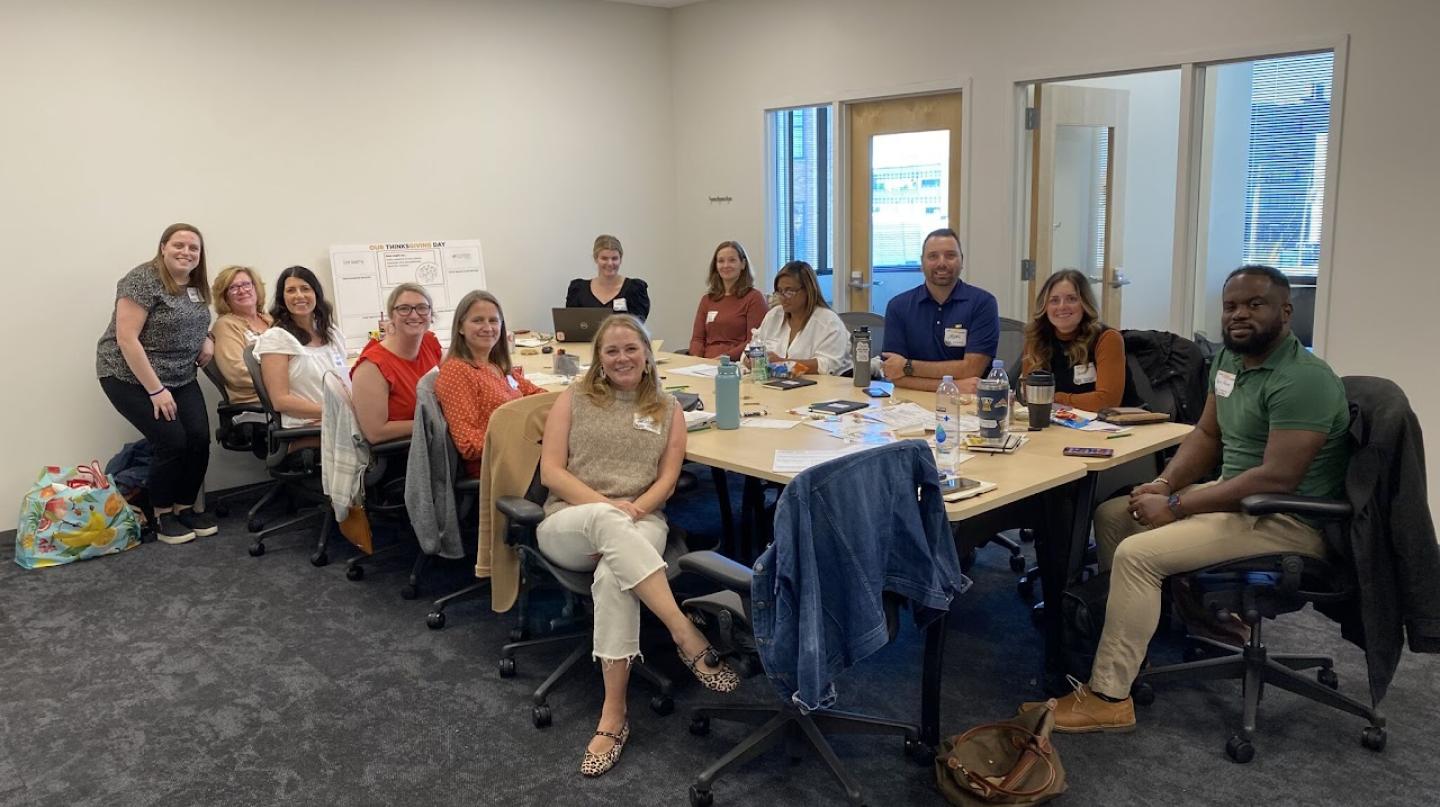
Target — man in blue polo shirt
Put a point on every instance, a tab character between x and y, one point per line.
945	327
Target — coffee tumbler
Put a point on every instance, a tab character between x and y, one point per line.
1039	390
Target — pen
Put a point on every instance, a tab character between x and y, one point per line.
1117	436
680	388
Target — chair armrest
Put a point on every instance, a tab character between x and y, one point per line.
719	569
231	410
297	433
1265	504
520	510
391	447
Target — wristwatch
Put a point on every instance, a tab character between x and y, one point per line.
909	367
1174	504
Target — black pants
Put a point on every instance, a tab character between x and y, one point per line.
179	448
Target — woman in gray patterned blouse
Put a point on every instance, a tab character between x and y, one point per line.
158	335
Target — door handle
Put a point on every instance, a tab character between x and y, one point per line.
1119	281
860	284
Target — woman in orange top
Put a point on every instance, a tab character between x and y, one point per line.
383	380
731	309
1067	338
477	376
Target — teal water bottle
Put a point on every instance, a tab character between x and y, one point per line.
727	395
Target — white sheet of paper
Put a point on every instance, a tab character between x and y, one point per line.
767	423
697	370
793	462
547	379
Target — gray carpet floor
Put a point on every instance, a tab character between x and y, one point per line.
197	675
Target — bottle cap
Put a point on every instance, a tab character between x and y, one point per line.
947	380
998	363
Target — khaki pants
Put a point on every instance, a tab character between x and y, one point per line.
621	553
1140	559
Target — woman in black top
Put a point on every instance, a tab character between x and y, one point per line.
609	289
146	360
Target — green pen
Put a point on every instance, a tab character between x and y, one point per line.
1117	435
680	388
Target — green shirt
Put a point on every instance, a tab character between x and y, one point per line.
1292	390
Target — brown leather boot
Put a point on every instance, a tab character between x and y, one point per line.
1083	711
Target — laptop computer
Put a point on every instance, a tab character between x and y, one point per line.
578	324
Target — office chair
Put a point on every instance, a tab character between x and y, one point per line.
296	474
247	436
523	516
1266	586
1010	351
875	322
726	618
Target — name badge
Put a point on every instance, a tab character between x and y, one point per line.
194	294
955	336
647	423
619	304
338	358
710	316
1224	383
513	383
1085	373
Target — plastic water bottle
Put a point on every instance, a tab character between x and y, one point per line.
759	358
947	425
860	355
727	395
992	405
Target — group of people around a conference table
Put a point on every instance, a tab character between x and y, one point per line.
1274	421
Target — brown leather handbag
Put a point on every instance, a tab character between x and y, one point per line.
1007	762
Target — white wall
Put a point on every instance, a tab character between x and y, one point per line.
281	128
733	58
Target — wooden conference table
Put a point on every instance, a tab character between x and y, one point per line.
1064	487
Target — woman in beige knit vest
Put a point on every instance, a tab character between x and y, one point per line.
613	447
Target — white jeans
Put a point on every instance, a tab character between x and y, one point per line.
621	552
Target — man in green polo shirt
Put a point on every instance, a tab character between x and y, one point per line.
1275	422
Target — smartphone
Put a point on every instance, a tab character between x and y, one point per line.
1085	451
877	392
955	484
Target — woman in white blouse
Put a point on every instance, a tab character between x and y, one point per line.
802	328
300	349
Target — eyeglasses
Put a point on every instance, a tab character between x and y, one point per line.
246	286
406	310
788	293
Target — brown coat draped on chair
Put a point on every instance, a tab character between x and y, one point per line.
507	466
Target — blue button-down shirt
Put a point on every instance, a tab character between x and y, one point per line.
915	324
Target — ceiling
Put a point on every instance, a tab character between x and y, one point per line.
659	3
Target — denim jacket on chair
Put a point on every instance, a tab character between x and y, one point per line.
846	532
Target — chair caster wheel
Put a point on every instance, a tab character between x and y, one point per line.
1025	587
1144	694
967	560
701	798
222	510
319	559
355	573
1017	564
507	668
255	525
409	591
1239	749
1327	677
518	634
1373	738
435	620
662	705
919	753
1037	615
700	726
256	550
540	715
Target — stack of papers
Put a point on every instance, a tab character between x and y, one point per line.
698	370
531	340
793	462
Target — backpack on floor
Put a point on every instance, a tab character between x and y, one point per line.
73	514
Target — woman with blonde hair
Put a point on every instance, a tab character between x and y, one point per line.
732	307
385	376
238	295
609	289
612	450
801	327
1067	338
159	333
477	376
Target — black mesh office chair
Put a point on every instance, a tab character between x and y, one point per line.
1010	350
573	628
296	473
245	435
866	319
1264	587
